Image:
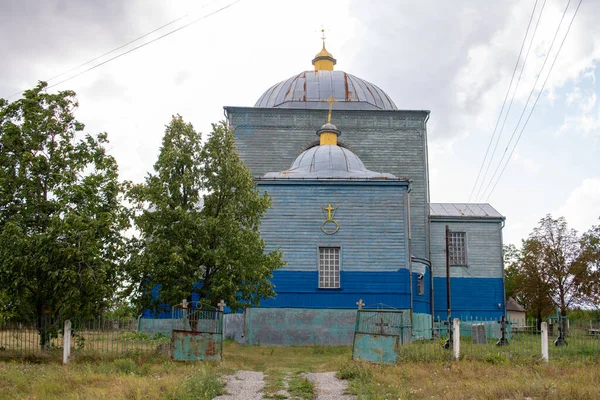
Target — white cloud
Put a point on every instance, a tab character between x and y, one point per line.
582	208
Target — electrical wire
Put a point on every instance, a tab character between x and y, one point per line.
135	48
487	169
535	103
505	97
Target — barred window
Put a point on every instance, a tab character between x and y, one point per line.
421	284
458	248
329	267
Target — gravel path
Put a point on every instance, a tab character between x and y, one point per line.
329	387
245	385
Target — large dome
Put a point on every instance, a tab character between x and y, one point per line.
311	89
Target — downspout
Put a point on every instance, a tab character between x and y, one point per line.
410	274
502	224
428	222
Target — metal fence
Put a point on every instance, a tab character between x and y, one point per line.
99	337
379	334
481	340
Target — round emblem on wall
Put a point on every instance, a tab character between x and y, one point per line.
330	226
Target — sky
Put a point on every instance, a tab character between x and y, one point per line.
455	59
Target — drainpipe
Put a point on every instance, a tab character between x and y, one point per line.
410	279
502	224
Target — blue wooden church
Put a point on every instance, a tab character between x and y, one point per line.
351	209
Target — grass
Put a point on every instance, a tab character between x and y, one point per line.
300	387
471	379
143	376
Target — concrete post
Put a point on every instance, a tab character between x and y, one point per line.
545	341
67	342
456	342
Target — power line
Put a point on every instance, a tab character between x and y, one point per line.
118	48
505	97
536	100
135	48
527	102
487	169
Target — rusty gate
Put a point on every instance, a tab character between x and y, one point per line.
197	332
378	335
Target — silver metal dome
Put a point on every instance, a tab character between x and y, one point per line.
310	89
328	161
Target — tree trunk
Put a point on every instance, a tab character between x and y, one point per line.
42	327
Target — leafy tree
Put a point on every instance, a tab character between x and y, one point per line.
199	217
591	259
533	289
60	213
511	270
562	257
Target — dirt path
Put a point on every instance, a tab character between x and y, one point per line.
245	385
329	387
248	385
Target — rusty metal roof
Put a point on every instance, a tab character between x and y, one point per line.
310	89
463	210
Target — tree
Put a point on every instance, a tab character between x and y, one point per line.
562	257
511	270
60	211
532	286
208	244
591	258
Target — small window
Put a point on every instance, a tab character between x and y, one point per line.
458	248
420	284
329	267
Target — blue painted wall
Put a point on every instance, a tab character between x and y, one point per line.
372	237
300	289
470	298
477	288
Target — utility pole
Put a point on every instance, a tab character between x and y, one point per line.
449	320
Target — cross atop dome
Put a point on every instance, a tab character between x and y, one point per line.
324	60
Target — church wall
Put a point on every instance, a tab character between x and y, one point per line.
477	290
371	237
270	139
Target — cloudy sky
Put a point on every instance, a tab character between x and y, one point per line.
453	58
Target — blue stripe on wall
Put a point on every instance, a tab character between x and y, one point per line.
300	289
470	297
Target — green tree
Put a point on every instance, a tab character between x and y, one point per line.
533	289
60	212
511	270
199	217
562	256
591	258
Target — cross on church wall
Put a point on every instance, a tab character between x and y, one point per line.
360	304
221	304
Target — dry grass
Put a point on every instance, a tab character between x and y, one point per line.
472	380
146	377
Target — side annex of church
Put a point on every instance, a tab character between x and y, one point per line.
348	175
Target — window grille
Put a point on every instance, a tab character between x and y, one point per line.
329	267
458	248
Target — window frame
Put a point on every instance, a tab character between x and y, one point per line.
455	261
334	275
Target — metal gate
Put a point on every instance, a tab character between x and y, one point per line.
379	334
197	332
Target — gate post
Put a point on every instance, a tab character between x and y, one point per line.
67	341
456	329
545	341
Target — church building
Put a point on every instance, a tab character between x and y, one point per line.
347	172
